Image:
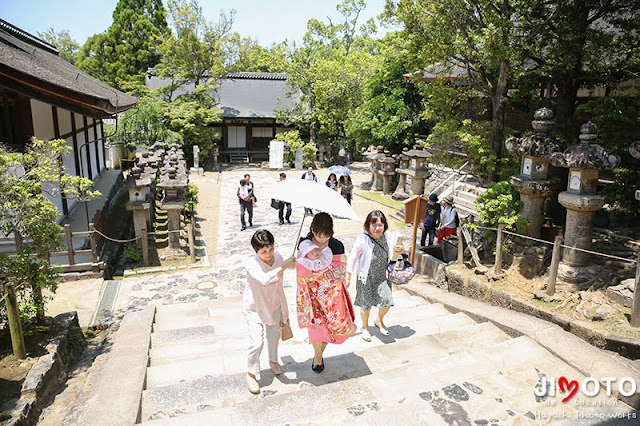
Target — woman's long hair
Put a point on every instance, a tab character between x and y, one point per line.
321	224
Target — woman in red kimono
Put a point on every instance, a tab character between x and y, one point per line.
323	303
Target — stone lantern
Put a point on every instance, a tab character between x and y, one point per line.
400	193
533	183
386	171
584	161
375	166
321	151
417	170
634	150
174	183
139	186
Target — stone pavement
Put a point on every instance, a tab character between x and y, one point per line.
437	367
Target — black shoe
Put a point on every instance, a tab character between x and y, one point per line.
243	228
281	222
317	368
250	224
288	221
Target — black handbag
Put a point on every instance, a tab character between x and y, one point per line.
275	203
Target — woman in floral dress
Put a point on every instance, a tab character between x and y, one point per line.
323	303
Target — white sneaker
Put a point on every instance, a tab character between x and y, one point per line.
366	336
252	385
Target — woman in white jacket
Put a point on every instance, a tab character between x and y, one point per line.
371	254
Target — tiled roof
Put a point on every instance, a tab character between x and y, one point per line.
245	95
32	66
258	75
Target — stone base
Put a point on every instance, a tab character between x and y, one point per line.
400	195
174	252
196	170
576	278
529	260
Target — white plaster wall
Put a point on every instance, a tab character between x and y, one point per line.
100	146
64	121
42	117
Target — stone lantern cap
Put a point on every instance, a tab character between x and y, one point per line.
403	156
634	149
137	178
418	153
538	144
585	154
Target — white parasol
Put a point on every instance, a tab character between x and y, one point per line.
312	195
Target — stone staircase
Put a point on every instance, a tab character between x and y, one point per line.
436	367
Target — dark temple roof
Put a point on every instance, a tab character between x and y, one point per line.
32	67
244	94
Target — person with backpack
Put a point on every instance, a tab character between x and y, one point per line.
431	220
448	219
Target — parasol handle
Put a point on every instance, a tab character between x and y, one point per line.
295	243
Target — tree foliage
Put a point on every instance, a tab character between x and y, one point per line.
294	140
125	51
391	113
26	181
67	46
329	69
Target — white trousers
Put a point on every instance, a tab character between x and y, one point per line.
257	331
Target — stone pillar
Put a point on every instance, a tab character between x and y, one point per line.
139	203
533	183
581	200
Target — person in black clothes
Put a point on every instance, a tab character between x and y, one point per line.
245	198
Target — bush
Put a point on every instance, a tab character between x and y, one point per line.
295	141
501	204
133	254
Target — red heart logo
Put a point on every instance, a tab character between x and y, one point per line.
563	382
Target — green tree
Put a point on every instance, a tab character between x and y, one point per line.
482	37
392	111
587	44
329	69
67	46
124	52
26	181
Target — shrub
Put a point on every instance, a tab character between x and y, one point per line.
294	140
133	254
501	204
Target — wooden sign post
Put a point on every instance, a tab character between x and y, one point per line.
414	211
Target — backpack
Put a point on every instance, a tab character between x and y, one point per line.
457	220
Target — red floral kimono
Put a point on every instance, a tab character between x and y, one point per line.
323	303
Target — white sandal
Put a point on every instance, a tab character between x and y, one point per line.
366	335
383	330
252	385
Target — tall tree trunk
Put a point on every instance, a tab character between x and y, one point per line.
569	81
567	93
497	118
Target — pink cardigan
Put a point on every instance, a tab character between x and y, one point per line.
264	292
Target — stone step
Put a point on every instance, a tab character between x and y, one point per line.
183	336
463	202
466	196
183	315
363	370
466	338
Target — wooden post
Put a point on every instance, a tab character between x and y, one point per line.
460	246
555	261
145	247
15	327
192	248
413	243
69	239
635	311
499	241
92	239
17	237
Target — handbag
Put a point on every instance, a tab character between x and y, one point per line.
285	332
275	203
400	271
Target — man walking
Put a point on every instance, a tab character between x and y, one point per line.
309	175
431	220
284	204
245	198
